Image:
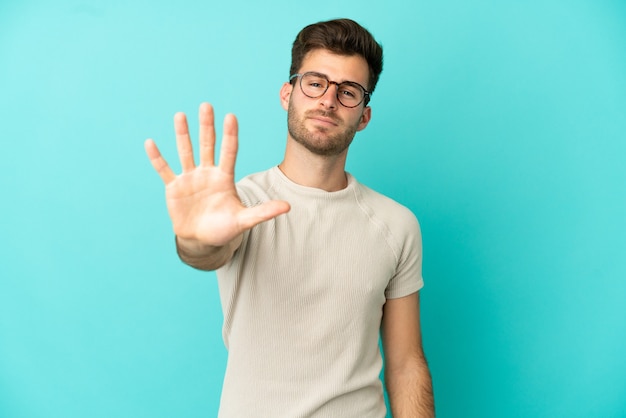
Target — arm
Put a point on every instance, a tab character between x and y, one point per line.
407	376
207	215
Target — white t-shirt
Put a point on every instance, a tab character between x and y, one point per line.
302	299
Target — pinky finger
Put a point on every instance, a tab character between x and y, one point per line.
158	162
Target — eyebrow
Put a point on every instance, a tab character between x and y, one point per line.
338	82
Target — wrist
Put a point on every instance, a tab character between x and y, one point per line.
204	256
192	247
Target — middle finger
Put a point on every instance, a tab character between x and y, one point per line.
207	134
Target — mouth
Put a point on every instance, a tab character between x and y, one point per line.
324	120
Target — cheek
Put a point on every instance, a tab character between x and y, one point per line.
297	106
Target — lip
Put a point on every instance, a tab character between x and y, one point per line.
324	120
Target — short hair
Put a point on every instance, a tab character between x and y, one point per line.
342	37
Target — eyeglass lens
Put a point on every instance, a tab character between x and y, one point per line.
315	85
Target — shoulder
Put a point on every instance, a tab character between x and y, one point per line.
402	236
395	221
394	214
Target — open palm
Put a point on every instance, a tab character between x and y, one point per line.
202	201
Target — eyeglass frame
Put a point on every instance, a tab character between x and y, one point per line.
366	94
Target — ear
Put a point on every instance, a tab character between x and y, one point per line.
285	95
365	118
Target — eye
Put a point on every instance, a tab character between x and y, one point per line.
350	93
314	81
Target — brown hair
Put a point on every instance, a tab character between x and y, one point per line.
342	37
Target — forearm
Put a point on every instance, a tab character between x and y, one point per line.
206	257
410	391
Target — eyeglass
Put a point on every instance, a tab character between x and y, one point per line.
315	85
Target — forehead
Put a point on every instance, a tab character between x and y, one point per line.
337	67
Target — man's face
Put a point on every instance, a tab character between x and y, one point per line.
323	125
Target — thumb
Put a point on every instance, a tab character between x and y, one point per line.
250	217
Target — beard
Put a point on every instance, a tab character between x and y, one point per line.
320	140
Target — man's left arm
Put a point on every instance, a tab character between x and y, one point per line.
407	376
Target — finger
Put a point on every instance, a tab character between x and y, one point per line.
207	135
252	216
183	142
228	152
158	162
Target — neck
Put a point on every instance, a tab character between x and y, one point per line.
310	170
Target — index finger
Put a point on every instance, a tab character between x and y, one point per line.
228	153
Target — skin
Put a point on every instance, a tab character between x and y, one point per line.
326	172
209	219
207	215
407	376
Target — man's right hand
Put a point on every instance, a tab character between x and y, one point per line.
202	201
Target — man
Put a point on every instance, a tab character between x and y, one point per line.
311	264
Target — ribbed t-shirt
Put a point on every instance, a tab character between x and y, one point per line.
302	299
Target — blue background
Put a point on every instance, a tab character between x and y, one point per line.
501	124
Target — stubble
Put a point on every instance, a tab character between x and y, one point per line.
320	140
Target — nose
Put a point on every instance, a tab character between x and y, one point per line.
329	98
